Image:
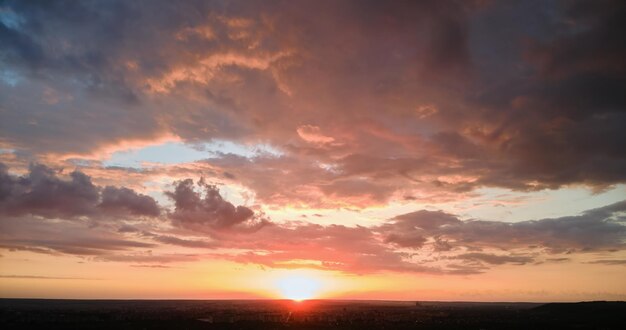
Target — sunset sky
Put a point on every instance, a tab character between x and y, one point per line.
419	150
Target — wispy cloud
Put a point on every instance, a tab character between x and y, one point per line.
37	277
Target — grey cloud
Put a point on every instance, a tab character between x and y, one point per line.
74	246
500	88
594	230
74	238
612	262
558	119
207	209
494	259
172	240
148	257
128	229
412	229
13	247
114	198
426	220
42	192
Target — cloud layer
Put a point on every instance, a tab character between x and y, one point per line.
105	227
375	101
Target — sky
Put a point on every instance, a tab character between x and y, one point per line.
408	150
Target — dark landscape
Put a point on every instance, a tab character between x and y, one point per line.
313	314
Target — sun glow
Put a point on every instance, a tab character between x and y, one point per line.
298	288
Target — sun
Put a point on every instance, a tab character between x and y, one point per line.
298	288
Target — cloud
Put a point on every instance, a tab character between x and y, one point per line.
556	123
151	266
596	48
612	262
594	230
313	134
410	230
41	192
38	277
207	209
73	245
172	240
72	237
493	259
422	241
114	198
335	247
429	242
416	99
148	257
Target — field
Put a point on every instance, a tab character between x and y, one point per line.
314	314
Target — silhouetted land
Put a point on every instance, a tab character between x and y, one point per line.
314	314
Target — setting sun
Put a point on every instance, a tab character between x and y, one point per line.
298	288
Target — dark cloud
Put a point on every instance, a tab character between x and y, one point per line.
558	120
63	237
594	230
426	220
375	100
114	198
148	257
41	192
207	209
11	247
493	259
74	246
172	240
151	266
410	230
613	262
596	46
128	229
